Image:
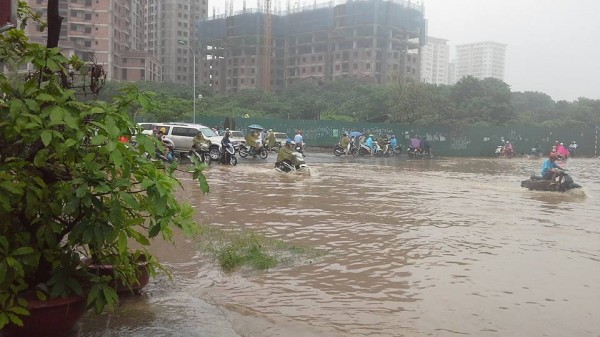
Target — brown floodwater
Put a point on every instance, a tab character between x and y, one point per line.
442	247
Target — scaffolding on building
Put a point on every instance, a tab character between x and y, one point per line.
378	40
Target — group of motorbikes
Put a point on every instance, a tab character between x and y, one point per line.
386	151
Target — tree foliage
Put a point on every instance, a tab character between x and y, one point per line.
469	101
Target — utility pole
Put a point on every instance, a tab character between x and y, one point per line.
267	47
183	43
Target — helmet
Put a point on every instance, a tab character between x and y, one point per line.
507	142
226	129
553	155
289	141
562	144
393	136
270	130
163	129
345	133
370	135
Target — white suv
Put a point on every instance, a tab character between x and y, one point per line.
182	135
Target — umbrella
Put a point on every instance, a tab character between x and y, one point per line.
355	134
255	126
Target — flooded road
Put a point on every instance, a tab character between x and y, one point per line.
442	247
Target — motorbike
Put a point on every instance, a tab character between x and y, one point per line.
385	150
339	150
228	154
202	155
501	152
418	153
246	151
286	166
538	183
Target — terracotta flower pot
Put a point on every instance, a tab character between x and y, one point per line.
143	277
51	318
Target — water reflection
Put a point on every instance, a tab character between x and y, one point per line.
415	247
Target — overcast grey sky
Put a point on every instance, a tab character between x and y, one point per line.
552	45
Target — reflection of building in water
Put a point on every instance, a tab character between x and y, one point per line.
379	41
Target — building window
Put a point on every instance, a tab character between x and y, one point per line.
88	16
368	65
87	43
87	30
142	74
124	74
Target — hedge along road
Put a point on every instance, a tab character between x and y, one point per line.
414	248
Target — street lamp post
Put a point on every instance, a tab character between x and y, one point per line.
183	43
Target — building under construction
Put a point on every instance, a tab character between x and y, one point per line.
374	40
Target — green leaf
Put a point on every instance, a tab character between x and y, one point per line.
46	137
22	251
3	320
41	158
19	311
203	184
44	97
15	319
122	242
154	230
56	114
11	187
3	269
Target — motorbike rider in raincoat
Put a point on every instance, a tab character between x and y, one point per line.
286	153
394	142
369	143
271	139
225	142
253	141
345	142
200	143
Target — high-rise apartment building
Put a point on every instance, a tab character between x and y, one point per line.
374	40
108	32
435	56
480	60
134	40
171	21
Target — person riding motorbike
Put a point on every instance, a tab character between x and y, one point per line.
253	141
508	149
345	142
562	151
415	143
369	144
286	153
200	143
383	143
394	142
550	170
271	139
225	142
426	146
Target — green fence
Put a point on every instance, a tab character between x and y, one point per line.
446	141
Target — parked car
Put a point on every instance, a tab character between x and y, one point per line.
182	135
281	137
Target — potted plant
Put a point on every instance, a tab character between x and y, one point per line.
68	186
